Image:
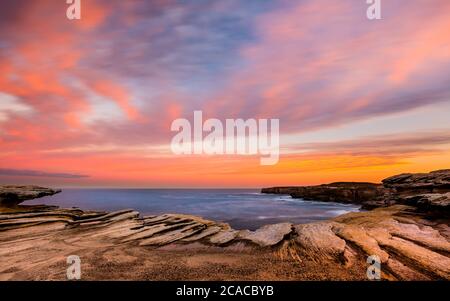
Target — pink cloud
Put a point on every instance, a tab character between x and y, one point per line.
321	63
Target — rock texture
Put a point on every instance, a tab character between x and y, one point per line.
319	242
409	246
427	191
432	182
268	235
12	195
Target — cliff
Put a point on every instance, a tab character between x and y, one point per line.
342	192
426	191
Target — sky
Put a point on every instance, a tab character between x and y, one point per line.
90	102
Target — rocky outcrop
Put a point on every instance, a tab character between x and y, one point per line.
343	192
12	195
268	235
434	202
281	190
318	241
408	246
437	181
426	191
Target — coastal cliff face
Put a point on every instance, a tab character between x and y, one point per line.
427	191
342	192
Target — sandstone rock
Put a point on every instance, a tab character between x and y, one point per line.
435	181
422	258
223	237
205	233
268	235
409	247
150	231
439	202
359	237
319	242
403	272
423	235
426	191
173	236
418	249
120	229
12	195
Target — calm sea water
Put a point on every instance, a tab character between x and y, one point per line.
241	208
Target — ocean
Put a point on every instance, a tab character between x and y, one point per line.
241	208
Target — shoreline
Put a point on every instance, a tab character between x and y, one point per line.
242	209
411	243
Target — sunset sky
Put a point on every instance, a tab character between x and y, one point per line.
90	102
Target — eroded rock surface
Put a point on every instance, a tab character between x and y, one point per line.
268	235
319	242
435	181
408	246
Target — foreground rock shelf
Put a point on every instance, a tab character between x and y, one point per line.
409	246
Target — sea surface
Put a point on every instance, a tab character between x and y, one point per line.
241	208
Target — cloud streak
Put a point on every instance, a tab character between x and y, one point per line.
40	174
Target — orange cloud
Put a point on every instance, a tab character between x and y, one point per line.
93	14
309	73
